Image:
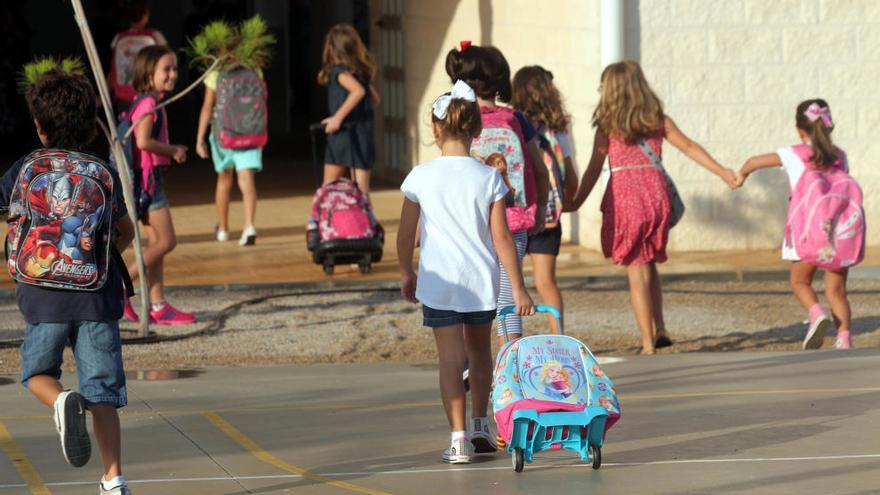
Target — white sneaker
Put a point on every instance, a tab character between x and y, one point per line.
483	436
70	421
222	235
116	490
816	332
459	452
248	237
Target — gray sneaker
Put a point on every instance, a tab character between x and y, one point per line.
70	421
116	490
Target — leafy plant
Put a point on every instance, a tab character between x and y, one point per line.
248	44
32	71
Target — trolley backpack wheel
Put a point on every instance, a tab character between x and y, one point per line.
364	265
329	263
517	458
596	456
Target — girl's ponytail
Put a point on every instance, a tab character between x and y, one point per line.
814	118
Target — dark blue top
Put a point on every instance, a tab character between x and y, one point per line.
43	305
336	95
528	129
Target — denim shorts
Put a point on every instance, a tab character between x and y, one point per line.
97	349
159	200
435	318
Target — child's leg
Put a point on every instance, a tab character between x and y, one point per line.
105	423
505	293
333	172
642	304
545	281
451	355
221	198
45	388
657	303
162	241
802	284
478	345
248	188
362	177
835	291
98	353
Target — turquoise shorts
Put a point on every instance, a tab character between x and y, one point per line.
226	159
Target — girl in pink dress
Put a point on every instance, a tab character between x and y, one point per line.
637	206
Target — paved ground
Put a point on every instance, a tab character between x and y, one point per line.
757	423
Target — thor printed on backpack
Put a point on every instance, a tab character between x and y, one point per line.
59	224
240	113
826	220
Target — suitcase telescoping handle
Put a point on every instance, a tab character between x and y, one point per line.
509	310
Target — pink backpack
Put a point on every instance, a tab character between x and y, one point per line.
503	134
241	111
342	211
126	46
826	221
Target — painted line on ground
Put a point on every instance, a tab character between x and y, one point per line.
415	405
240	438
25	469
471	469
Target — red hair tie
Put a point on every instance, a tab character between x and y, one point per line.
463	45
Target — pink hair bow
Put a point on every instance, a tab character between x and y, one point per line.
815	112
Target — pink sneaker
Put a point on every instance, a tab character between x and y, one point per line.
819	324
128	311
167	315
844	341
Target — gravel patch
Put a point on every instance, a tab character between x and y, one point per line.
284	326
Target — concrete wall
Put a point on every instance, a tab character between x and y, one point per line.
729	73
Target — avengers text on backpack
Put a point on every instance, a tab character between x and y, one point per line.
826	220
143	181
59	224
342	228
240	113
554	160
502	134
125	49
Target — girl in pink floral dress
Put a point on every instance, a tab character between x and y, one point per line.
637	207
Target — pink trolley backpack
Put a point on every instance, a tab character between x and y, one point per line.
549	393
826	220
502	134
342	228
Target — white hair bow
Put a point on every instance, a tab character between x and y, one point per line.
460	91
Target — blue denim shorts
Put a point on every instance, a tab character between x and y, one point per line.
435	318
97	349
159	199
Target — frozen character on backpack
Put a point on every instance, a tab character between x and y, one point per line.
235	108
343	228
458	203
155	73
825	227
509	132
535	95
640	204
125	47
347	69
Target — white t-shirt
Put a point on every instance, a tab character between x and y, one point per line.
794	167
458	267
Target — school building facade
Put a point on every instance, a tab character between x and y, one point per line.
729	72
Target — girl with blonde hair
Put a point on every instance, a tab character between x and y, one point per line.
637	207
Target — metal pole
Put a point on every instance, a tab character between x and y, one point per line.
116	149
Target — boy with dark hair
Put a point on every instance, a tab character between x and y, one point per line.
64	211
